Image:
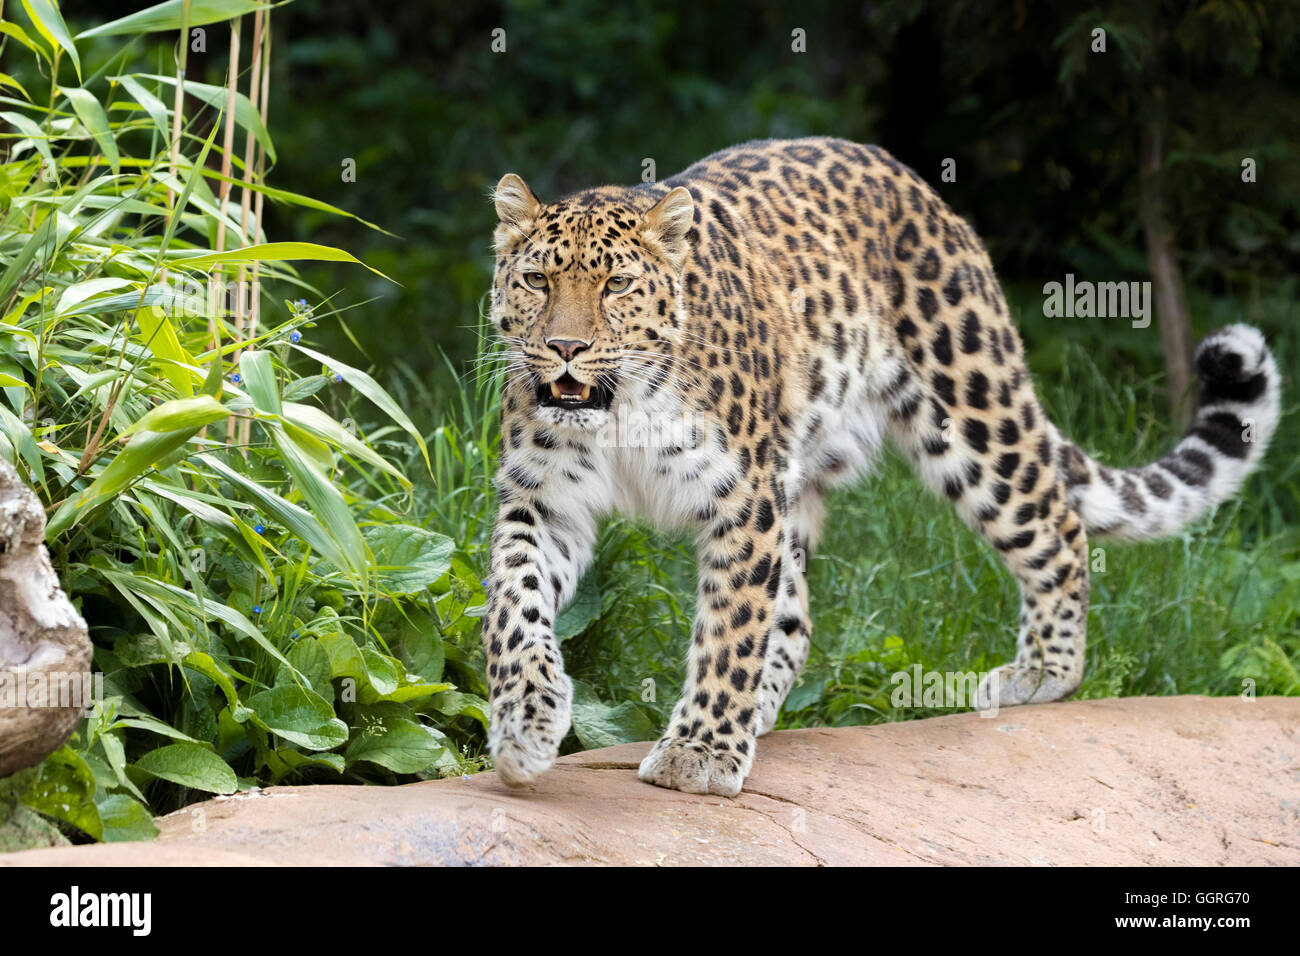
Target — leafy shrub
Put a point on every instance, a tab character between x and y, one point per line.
262	607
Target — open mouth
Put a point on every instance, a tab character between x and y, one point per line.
567	392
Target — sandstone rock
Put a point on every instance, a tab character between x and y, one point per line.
44	648
1140	781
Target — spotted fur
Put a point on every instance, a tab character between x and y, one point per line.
792	303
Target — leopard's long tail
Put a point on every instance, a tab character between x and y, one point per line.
1240	400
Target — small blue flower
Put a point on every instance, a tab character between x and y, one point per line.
259	528
294	336
257	609
293	636
235	378
338	377
301	303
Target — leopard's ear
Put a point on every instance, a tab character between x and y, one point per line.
515	202
667	223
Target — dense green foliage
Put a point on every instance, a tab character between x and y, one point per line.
302	608
262	609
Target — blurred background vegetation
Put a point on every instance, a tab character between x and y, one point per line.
1048	139
1045	133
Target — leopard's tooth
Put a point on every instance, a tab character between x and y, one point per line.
585	393
555	390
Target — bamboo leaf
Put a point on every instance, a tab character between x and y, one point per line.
167	17
157	333
246	114
92	116
270	252
49	24
182	413
40	139
372	390
155	107
298	520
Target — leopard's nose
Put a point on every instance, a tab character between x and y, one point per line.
567	348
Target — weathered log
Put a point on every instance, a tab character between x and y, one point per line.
45	652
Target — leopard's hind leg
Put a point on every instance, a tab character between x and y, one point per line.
997	463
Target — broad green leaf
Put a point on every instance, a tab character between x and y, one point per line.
383	673
167	16
190	765
582	609
408	559
64	790
413	634
397	743
125	819
598	724
344	656
92	116
309	656
455	703
296	760
300	716
49	24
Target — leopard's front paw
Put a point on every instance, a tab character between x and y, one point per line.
1014	684
695	767
526	731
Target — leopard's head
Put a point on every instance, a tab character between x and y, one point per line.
587	295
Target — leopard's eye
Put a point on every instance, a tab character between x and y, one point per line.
618	283
535	280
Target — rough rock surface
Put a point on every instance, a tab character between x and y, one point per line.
1181	780
42	637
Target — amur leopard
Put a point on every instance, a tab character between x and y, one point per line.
789	304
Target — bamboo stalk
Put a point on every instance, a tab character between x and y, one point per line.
245	429
227	153
178	106
260	96
264	109
228	137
